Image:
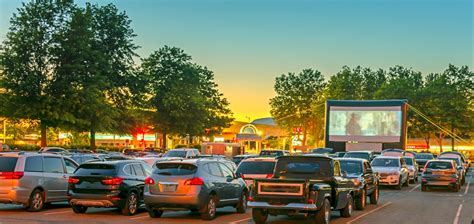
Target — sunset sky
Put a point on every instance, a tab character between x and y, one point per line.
247	43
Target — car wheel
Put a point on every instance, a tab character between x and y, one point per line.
374	197
406	183
259	215
154	213
131	204
210	209
399	186
360	201
456	188
347	211
424	188
242	205
36	201
78	209
323	216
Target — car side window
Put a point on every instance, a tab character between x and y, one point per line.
214	170
34	164
225	170
70	166
53	165
127	169
138	170
148	169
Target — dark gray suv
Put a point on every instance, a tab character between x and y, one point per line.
33	179
200	185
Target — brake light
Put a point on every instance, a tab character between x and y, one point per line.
149	181
11	175
194	181
453	180
113	181
270	175
249	198
310	201
73	180
242	176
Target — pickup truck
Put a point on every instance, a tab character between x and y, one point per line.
303	184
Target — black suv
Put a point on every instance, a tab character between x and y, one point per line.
366	181
108	184
303	184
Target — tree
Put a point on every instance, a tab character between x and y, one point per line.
297	94
345	85
95	61
28	64
184	95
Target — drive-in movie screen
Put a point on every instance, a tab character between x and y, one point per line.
381	124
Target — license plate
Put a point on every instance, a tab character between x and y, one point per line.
438	172
168	188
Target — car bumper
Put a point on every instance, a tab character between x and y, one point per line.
91	200
175	201
389	180
290	206
15	196
439	183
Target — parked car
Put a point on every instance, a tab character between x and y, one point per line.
393	152
365	180
273	153
303	184
459	167
367	155
200	185
412	168
238	158
83	158
464	162
108	184
33	179
440	173
322	151
56	150
261	167
422	158
392	170
340	154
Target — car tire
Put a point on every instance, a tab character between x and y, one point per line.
406	183
242	205
79	209
210	209
347	211
399	186
131	204
374	197
456	188
36	201
154	213
259	216
361	200
323	216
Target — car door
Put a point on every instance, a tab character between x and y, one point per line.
55	178
343	186
218	180
231	185
404	169
140	176
368	177
70	166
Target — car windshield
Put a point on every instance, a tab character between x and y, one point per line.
424	156
303	167
92	169
385	162
439	165
359	155
255	167
175	169
351	167
453	159
271	153
175	153
408	161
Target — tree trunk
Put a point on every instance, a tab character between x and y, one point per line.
452	138
43	134
440	141
92	139
303	143
164	141
427	141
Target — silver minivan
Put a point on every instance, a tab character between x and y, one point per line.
33	179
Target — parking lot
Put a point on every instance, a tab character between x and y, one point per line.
409	205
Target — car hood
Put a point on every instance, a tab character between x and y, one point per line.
385	169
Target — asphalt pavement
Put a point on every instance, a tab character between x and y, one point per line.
410	205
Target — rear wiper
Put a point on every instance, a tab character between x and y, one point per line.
164	173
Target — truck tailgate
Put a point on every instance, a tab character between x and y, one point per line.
273	187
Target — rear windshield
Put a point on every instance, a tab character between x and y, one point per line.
359	155
7	164
271	153
385	162
92	169
439	165
424	156
303	168
181	154
458	162
408	161
256	167
351	167
175	169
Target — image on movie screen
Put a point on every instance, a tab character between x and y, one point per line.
365	122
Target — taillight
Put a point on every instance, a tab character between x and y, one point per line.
249	198
113	181
149	181
310	201
11	175
242	176
194	181
270	175
73	180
